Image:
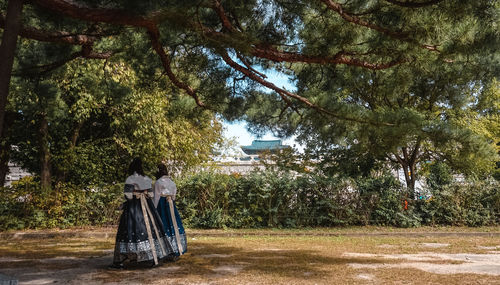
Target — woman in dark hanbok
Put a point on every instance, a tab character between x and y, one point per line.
165	191
141	237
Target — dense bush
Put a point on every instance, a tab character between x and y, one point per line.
279	199
26	205
471	204
263	199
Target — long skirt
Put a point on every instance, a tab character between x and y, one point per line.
166	214
135	242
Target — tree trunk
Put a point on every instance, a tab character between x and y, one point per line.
4	161
7	51
408	169
408	174
412	178
61	175
5	145
44	153
76	134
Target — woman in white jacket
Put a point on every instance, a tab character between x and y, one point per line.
165	191
140	236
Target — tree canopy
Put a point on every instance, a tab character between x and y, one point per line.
394	78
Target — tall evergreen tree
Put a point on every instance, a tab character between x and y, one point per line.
215	51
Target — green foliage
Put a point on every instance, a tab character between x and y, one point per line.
205	199
435	107
474	203
438	103
279	199
440	175
26	205
262	199
100	116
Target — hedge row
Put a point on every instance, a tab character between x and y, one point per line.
278	199
262	199
26	205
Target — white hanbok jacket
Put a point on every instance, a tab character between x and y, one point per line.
140	183
164	186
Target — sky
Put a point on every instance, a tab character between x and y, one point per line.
237	130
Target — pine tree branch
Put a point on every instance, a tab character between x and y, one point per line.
272	53
245	62
284	93
88	52
149	22
226	23
105	15
405	154
85	52
399	159
414	153
403	36
341	57
120	17
410	4
154	36
392	159
55	36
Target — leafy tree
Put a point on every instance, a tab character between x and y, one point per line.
97	116
407	115
213	51
439	176
206	37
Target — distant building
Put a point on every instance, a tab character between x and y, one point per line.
15	173
259	146
251	160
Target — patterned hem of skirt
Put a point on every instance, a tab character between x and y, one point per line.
142	250
173	242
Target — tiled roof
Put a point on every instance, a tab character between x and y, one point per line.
262	145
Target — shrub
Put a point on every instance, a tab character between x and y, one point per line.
274	198
26	205
472	203
270	198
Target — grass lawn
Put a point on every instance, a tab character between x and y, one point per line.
269	257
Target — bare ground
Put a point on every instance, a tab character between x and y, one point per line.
262	258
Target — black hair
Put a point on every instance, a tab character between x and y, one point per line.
162	170
136	166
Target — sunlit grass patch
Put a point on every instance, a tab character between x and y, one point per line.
55	247
261	258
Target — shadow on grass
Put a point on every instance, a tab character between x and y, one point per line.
216	260
68	263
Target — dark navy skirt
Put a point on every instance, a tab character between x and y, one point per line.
132	241
168	226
